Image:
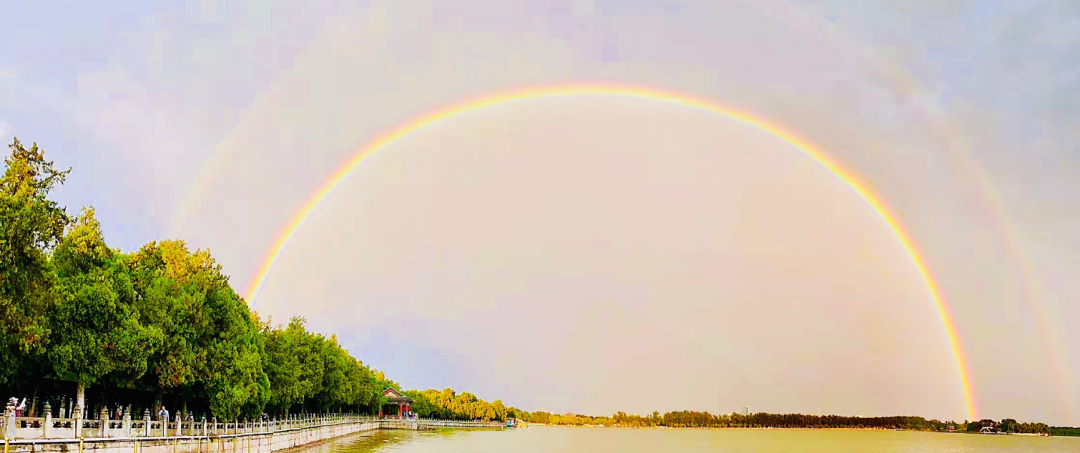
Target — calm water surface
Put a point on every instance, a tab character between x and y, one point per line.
539	439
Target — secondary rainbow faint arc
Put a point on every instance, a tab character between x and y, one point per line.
820	158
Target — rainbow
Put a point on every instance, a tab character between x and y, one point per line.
864	192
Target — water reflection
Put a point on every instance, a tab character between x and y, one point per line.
591	440
379	441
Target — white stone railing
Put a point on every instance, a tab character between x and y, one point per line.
48	427
77	427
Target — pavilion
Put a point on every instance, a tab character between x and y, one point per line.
399	403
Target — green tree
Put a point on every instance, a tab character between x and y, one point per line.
94	330
30	226
233	373
282	364
212	343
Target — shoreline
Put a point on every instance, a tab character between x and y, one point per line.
729	428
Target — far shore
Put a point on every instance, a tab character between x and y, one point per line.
729	428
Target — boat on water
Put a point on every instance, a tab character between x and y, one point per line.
511	423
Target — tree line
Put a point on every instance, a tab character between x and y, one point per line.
1009	425
450	405
161	323
693	419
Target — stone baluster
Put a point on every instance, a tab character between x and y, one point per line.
104	421
47	427
9	421
146	423
204	425
179	424
78	416
126	425
213	426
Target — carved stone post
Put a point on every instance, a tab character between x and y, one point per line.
48	420
179	424
213	428
127	421
104	421
78	416
204	426
9	420
146	420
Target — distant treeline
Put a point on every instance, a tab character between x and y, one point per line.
1009	425
692	419
1064	431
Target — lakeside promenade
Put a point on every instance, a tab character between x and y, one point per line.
101	435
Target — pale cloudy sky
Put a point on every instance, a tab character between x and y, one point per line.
601	254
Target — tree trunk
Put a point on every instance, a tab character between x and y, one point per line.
80	398
157	401
33	402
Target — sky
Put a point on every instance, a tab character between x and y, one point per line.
599	254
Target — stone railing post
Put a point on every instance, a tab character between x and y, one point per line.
9	421
78	416
204	425
104	421
179	424
47	427
146	421
126	425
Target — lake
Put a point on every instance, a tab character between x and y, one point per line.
543	439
